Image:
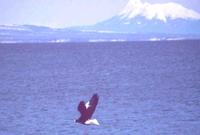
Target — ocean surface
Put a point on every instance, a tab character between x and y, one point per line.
145	88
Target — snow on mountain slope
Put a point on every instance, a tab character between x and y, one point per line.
170	10
144	18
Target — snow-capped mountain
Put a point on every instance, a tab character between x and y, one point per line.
137	21
143	17
161	12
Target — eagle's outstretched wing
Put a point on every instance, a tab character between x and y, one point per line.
92	105
81	107
86	113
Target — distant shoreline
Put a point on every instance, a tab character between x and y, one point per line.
103	42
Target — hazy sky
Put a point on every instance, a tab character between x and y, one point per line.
64	13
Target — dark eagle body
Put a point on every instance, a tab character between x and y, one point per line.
87	110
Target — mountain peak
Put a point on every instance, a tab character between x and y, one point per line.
161	12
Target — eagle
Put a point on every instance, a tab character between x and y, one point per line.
86	110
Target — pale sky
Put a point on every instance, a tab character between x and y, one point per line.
65	13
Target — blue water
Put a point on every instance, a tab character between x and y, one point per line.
145	88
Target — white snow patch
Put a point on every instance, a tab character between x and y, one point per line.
154	39
117	40
60	41
107	40
105	31
97	40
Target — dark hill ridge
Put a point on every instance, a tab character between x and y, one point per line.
101	32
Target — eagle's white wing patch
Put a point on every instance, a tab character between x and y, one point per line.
87	105
92	122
